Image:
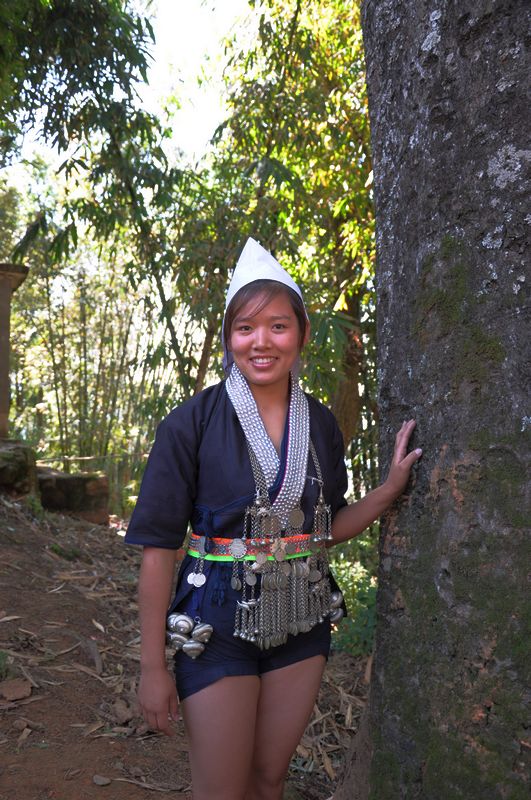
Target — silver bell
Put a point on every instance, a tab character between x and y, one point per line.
193	648
180	623
336	615
176	639
202	632
336	600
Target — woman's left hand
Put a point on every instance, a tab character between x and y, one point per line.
402	460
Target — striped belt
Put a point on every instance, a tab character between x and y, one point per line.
219	548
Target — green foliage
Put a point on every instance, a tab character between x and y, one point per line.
131	248
61	61
298	139
33	504
354	566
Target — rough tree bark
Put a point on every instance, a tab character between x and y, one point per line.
447	712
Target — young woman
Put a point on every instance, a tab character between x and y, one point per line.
256	468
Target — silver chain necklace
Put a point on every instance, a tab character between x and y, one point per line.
258	440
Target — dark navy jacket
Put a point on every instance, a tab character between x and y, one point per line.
199	472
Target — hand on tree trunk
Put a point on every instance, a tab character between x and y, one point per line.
402	460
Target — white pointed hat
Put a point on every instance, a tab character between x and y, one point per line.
254	264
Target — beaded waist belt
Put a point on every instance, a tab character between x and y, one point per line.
222	549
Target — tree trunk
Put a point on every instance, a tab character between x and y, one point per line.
450	124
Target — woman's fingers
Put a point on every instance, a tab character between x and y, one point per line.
402	439
163	723
160	720
411	458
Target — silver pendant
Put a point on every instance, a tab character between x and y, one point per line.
201	549
265	525
250	579
202	632
193	648
199	579
180	623
275	525
176	639
238	548
293	628
336	615
261	559
336	600
314	576
236	584
282	581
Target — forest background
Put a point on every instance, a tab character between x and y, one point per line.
130	244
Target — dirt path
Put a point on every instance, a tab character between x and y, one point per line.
69	652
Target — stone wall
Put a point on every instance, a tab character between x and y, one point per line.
84	495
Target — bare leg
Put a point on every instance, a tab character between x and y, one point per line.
287	697
220	723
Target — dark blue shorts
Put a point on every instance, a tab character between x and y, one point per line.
226	655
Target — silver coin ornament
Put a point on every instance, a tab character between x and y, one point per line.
236	584
238	548
180	623
199	580
296	518
336	600
192	648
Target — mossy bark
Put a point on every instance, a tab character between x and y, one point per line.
450	125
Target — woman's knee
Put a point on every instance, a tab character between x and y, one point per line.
266	782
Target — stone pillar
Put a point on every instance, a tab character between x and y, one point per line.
11	276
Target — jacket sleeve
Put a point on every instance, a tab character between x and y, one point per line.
167	492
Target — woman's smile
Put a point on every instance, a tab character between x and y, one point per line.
265	345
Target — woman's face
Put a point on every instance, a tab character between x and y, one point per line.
265	346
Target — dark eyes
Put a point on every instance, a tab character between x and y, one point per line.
278	326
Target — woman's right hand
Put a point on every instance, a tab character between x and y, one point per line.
157	696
